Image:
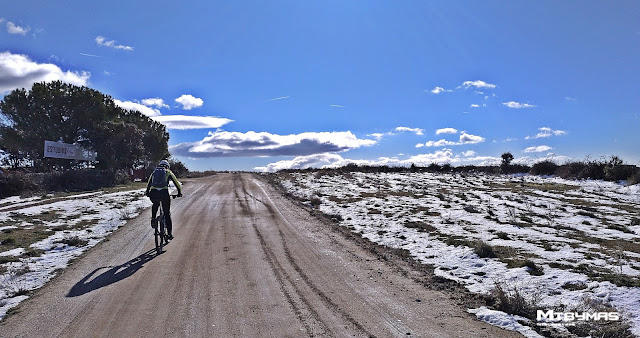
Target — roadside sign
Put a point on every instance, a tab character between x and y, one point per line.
68	151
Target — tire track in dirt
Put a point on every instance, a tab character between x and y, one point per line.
285	281
277	219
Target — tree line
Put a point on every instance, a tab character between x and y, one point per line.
57	111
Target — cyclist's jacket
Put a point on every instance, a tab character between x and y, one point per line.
159	180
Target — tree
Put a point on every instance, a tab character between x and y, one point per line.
178	168
506	162
154	137
59	111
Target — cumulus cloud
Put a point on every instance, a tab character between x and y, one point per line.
546	132
189	102
302	162
255	144
184	122
155	102
129	105
446	131
465	138
15	29
416	131
18	71
476	84
537	149
438	90
517	105
102	41
527	160
379	136
334	160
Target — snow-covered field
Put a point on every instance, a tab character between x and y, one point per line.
564	242
41	235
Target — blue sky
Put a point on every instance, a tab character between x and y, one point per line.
266	85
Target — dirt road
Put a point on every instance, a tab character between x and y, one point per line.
245	262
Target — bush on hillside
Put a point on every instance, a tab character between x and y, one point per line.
14	183
546	167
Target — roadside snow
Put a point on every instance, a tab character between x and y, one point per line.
71	226
583	233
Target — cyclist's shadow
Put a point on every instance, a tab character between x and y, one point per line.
113	275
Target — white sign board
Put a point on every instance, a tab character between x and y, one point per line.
68	151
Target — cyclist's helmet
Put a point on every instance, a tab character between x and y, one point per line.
164	163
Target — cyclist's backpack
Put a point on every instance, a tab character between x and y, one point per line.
159	178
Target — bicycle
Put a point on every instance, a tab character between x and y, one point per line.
160	230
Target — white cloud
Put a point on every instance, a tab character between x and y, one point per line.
302	162
18	71
469	153
379	136
468	138
102	41
278	98
416	131
440	143
91	55
155	102
184	122
464	139
256	144
546	132
438	90
128	105
526	160
189	102
537	149
475	106
517	105
446	131
14	29
334	160
476	84
336	106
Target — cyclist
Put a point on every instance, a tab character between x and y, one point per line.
158	192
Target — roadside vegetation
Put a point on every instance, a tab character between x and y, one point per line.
525	242
124	140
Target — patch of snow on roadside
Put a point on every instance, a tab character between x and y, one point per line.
570	229
89	218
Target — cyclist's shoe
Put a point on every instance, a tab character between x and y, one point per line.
154	223
169	236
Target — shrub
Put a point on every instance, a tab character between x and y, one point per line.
74	241
512	299
18	183
532	268
546	167
503	235
484	250
15	183
315	201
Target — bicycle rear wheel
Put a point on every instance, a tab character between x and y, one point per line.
158	232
